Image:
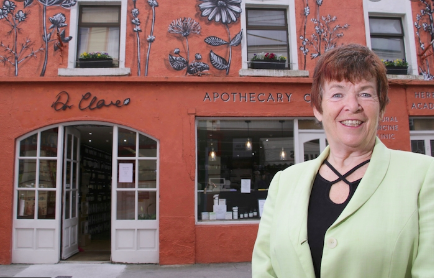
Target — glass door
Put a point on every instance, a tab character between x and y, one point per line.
310	143
422	143
70	192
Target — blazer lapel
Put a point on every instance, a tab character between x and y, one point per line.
298	212
374	175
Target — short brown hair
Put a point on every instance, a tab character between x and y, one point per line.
353	63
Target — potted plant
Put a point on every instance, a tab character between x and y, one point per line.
267	61
95	60
398	66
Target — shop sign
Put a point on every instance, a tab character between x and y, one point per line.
86	102
387	128
423	101
250	97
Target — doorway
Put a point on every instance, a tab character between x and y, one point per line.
86	191
87	200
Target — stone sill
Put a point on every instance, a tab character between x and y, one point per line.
274	73
94	71
405	77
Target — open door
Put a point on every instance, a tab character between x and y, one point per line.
70	193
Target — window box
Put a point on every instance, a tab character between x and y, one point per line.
267	65
397	70
95	63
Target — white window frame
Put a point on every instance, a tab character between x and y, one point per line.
394	8
289	6
72	45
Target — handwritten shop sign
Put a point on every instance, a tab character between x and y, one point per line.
86	102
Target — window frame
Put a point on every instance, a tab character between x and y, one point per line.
271	28
80	24
388	35
71	70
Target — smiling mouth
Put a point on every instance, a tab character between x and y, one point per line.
351	122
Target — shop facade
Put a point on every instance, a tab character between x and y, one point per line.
167	157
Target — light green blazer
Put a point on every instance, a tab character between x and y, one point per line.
386	230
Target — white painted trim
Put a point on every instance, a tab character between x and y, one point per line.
275	73
395	8
289	5
93	72
73	30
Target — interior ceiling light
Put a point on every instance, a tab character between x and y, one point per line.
248	142
282	152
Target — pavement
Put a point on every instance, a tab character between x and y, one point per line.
109	270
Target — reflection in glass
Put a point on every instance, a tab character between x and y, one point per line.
47	173
421	124
126	173
46	204
74	155
147	173
311	149
27	173
69	146
26	204
74	204
147	205
147	147
28	146
126	143
264	17
49	142
273	41
67	206
418	146
125	205
388	48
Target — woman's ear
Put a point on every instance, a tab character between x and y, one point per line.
317	114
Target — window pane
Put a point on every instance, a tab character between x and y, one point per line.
100	14
46	204
147	205
266	18
125	205
274	41
311	149
421	124
47	173
147	173
68	175
126	143
75	144
387	26
67	204
68	146
49	142
418	146
99	39
309	124
126	173
74	175
223	172
147	147
74	203
28	146
27	173
26	204
388	48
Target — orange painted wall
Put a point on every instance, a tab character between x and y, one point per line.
166	108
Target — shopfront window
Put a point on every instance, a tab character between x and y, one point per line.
237	160
422	135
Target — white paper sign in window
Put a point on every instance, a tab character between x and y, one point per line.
245	185
125	172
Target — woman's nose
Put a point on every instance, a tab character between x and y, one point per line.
353	104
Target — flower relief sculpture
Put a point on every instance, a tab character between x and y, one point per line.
57	22
224	12
15	56
150	39
425	20
325	35
184	27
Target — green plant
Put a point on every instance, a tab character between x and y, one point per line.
268	57
395	63
95	55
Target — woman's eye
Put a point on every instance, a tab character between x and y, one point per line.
338	95
365	95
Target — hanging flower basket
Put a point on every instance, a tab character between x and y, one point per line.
95	63
397	70
267	65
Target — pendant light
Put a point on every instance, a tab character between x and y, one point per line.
212	155
248	142
282	152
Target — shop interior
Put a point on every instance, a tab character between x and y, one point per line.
94	201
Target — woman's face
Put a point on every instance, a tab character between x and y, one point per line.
350	114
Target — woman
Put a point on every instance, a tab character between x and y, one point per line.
359	209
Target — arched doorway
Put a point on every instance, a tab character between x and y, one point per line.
84	180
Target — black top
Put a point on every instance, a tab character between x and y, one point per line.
323	212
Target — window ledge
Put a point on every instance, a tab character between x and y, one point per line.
274	73
94	71
406	77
